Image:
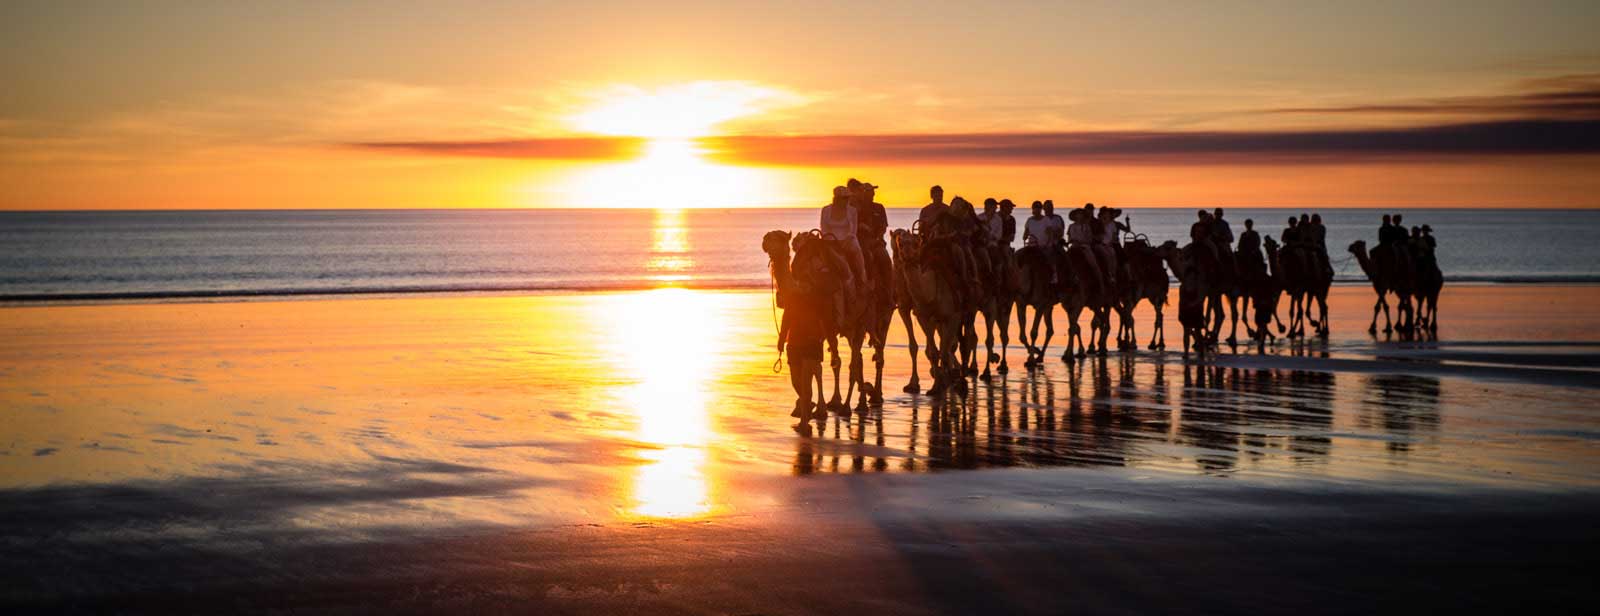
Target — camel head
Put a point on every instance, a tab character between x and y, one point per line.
1271	245
905	245
776	244
1358	247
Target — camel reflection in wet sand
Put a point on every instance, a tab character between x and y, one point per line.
1139	411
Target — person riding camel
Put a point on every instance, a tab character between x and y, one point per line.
838	225
946	231
991	220
1291	233
958	223
1036	236
1081	237
1008	233
1200	236
1106	231
1427	236
934	209
994	230
872	224
1393	238
1222	239
1386	232
1316	237
1249	253
1057	248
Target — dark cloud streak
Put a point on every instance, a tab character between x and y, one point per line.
1510	138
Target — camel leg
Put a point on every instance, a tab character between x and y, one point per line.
969	345
1049	330
1035	354
858	380
1022	331
1004	324
1074	338
958	378
1105	328
912	386
1322	303
1233	316
1155	331
988	345
1388	324
835	363
1377	306
1127	338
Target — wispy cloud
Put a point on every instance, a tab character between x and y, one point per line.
559	148
1567	97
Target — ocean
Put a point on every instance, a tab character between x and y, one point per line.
156	255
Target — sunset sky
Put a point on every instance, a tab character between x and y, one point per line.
154	105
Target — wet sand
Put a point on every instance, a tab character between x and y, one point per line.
631	452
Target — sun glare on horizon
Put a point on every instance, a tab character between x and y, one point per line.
672	171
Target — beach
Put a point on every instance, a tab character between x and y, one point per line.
606	452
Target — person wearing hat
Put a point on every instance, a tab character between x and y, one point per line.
1081	235
839	225
1109	245
1008	228
1427	237
934	210
872	224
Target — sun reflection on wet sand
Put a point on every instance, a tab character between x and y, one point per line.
670	340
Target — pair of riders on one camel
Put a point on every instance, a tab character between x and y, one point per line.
966	245
852	226
1093	234
1405	247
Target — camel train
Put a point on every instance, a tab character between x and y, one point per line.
955	265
